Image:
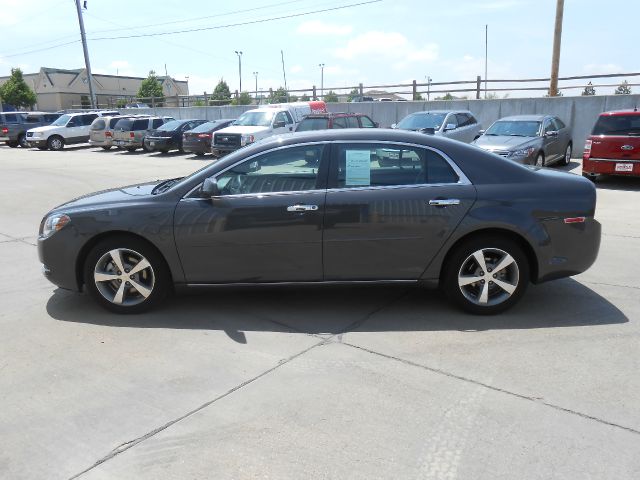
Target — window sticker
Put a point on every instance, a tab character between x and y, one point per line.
358	168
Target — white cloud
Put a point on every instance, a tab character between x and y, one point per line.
317	27
388	45
296	69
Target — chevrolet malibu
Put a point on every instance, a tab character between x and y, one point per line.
327	207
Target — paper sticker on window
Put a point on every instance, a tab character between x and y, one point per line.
358	168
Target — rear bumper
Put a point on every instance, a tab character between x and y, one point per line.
5	139
155	143
220	150
609	166
196	147
101	143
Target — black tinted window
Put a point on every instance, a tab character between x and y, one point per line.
87	119
157	122
367	122
141	124
558	123
113	122
312	124
617	125
52	117
339	122
33	119
463	119
9	118
124	124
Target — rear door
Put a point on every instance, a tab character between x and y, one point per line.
389	209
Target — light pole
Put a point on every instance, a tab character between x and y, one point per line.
428	79
321	65
239	54
255	74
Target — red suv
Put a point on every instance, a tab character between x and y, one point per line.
614	145
323	121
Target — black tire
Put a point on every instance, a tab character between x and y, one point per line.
22	140
566	159
164	150
145	147
131	149
12	144
199	154
106	147
540	162
462	264
592	176
154	279
43	148
55	142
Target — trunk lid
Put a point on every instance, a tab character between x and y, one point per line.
615	147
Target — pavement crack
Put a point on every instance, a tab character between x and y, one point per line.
537	400
123	447
11	239
612	285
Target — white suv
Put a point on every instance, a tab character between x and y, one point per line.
68	129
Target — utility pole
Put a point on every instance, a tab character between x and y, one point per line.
284	74
87	64
557	38
255	74
321	65
239	54
486	57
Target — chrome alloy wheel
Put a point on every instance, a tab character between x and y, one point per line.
124	277
488	277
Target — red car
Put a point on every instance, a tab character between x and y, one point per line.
614	145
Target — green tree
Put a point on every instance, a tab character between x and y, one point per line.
417	96
331	97
623	89
304	97
278	96
588	90
559	94
447	96
121	102
151	88
16	92
355	92
221	94
243	99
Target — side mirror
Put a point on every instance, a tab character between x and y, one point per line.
393	125
428	130
450	126
279	125
377	125
481	132
210	188
552	133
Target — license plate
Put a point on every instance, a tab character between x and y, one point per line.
119	142
624	167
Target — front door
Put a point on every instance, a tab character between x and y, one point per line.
551	141
266	226
389	210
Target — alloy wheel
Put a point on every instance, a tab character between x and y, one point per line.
124	277
488	276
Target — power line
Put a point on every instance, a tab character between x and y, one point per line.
252	22
40	49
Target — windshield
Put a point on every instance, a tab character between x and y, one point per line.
61	121
515	128
313	124
255	119
418	121
170	126
617	125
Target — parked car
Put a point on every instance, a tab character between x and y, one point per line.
323	121
68	129
169	136
101	131
14	126
129	133
199	139
456	124
613	148
136	105
481	226
361	98
531	139
263	122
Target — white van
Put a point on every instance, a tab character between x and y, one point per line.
262	122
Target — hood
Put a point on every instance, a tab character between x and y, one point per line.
109	197
46	128
500	142
246	129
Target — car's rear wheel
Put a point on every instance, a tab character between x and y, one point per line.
145	147
22	141
200	154
12	144
131	149
540	160
164	150
564	161
55	143
486	275
43	148
126	275
106	147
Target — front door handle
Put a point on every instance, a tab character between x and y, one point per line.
444	202
302	208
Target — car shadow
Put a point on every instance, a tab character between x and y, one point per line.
612	182
335	310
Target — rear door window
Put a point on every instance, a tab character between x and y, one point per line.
559	124
33	119
140	124
52	117
339	122
352	122
87	119
157	122
312	124
367	122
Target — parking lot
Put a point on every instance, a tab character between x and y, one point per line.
341	383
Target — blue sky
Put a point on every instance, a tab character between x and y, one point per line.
387	42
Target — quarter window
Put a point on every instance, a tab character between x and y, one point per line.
371	165
352	122
451	121
157	122
287	170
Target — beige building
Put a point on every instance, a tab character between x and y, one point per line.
59	89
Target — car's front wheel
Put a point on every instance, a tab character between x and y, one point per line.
22	141
486	275
540	160
566	159
126	275
55	143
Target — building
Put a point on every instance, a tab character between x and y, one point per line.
59	89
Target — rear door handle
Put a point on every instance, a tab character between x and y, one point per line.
444	202
302	208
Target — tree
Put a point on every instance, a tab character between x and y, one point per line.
16	92
355	92
121	102
331	97
588	90
304	97
221	94
417	96
278	96
151	88
243	99
447	96
623	89
559	94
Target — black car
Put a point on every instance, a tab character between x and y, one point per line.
438	211
198	140
169	136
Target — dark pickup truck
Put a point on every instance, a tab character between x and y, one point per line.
14	125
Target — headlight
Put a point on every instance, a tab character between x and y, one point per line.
53	224
246	139
523	152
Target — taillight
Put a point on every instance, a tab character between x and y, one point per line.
5	130
204	135
107	134
132	135
587	148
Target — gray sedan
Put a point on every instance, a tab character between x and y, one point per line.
458	125
327	207
531	139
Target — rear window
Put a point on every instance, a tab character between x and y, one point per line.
98	125
33	119
124	124
113	122
9	118
170	126
313	124
617	125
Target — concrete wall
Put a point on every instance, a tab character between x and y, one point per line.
578	112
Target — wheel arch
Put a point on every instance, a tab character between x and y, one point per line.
93	241
521	241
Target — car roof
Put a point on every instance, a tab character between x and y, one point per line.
621	112
526	118
440	111
334	114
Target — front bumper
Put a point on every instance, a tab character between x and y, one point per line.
36	142
58	257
